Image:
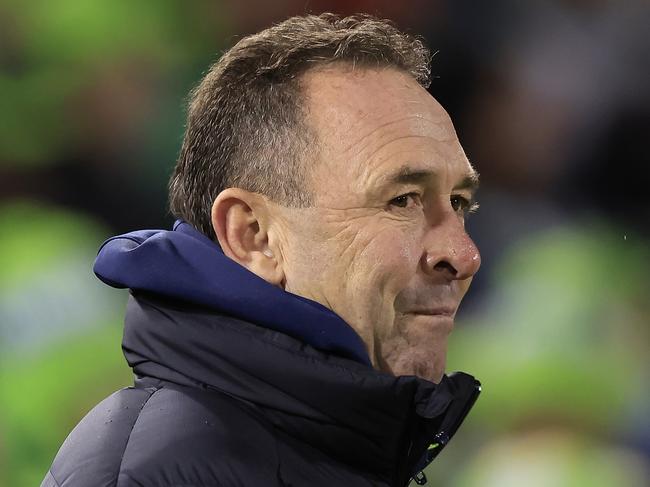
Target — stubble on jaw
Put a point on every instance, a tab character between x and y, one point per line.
413	350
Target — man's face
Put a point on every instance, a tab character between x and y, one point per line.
384	245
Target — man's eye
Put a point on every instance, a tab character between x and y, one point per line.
406	200
462	205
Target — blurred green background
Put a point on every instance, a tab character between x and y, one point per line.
552	103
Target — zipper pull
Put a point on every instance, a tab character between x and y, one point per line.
442	438
420	478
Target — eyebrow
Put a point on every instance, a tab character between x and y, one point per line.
409	175
469	182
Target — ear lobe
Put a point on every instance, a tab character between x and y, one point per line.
237	219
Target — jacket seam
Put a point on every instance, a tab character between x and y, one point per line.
119	469
304	356
58	484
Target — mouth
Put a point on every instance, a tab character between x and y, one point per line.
435	320
442	311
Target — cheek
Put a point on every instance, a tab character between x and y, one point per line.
307	259
394	256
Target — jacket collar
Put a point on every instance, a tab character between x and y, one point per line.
362	417
184	264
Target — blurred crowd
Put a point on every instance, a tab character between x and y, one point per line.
551	101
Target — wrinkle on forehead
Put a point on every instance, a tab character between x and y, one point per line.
413	126
351	106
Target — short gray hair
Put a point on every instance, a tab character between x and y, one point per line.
246	124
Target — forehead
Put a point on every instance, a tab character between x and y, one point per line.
341	96
370	120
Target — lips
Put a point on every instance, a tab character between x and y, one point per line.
447	311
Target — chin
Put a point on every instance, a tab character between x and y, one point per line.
420	349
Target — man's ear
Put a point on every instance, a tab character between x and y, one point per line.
239	219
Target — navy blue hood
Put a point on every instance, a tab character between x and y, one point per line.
184	264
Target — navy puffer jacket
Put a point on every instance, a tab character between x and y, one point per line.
242	384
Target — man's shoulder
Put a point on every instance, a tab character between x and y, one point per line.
189	436
170	435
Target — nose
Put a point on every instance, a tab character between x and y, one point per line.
450	252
